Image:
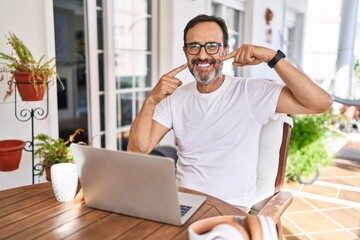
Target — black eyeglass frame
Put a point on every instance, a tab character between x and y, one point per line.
204	46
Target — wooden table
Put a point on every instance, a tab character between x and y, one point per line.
33	212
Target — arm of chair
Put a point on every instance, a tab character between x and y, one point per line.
277	205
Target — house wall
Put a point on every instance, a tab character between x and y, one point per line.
32	22
258	33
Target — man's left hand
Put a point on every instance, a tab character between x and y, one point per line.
248	55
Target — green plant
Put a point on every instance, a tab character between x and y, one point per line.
357	68
307	150
22	60
53	151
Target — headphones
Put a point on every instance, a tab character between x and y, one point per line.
251	227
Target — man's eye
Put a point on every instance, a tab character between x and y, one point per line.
194	46
211	45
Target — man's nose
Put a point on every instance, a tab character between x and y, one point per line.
203	54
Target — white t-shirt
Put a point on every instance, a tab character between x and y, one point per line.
217	135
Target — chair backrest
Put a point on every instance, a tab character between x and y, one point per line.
273	148
165	151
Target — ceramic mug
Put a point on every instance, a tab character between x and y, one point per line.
64	179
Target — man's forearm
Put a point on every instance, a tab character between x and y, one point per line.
140	131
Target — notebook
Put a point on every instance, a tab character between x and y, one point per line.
133	184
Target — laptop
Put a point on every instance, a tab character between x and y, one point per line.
133	184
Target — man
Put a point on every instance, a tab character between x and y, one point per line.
217	120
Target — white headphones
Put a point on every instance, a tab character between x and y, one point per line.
251	227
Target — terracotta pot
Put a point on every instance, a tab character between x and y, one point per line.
10	154
26	87
48	172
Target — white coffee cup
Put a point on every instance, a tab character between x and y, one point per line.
64	179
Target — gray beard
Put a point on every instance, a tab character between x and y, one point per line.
209	79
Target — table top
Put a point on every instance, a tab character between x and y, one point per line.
33	212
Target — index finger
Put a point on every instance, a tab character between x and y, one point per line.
228	56
175	71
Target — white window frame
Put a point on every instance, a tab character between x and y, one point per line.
92	71
111	130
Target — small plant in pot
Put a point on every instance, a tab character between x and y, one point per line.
307	148
52	151
30	76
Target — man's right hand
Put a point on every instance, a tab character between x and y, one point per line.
167	84
145	133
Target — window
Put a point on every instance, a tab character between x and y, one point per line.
289	37
121	63
292	39
133	61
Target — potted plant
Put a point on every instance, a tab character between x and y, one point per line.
10	154
30	76
52	151
307	147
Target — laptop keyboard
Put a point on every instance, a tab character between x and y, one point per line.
184	209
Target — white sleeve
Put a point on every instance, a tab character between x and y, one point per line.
262	97
163	113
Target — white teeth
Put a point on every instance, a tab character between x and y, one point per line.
204	65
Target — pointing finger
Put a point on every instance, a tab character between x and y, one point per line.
228	56
175	71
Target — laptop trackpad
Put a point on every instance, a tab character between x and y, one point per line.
191	203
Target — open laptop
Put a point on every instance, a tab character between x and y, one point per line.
133	184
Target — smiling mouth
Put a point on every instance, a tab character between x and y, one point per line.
203	65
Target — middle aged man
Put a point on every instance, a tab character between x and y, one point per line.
217	119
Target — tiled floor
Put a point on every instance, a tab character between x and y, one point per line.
329	208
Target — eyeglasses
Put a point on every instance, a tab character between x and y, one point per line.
211	48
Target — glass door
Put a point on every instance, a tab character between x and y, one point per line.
121	46
69	23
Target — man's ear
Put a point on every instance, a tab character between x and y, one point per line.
185	52
226	50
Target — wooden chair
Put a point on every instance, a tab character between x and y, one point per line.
271	200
